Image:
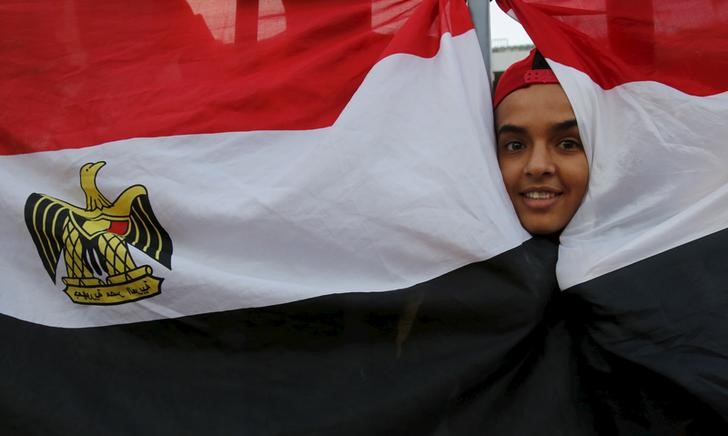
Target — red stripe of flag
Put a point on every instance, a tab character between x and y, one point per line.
76	74
680	44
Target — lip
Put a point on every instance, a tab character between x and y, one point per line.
540	197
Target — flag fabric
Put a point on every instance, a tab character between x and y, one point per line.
643	260
271	217
270	145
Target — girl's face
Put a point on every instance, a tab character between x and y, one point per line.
541	157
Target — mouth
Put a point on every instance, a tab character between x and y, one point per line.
540	195
540	198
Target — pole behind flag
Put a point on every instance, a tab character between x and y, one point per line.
480	11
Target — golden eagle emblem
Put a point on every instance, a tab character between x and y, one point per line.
94	242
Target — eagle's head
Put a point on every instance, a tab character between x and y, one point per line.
94	198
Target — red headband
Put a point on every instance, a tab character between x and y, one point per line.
520	75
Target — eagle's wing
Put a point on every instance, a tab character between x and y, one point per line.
45	217
146	233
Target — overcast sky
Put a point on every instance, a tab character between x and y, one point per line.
504	30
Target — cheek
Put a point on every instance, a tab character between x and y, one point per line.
510	171
577	175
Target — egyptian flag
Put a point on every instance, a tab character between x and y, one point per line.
644	260
266	217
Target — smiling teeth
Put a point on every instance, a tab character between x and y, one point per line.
540	195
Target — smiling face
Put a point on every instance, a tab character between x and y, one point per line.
541	157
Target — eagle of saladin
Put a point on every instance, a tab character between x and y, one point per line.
94	242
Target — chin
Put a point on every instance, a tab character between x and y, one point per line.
551	235
544	229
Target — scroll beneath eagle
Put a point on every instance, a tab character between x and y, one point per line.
94	241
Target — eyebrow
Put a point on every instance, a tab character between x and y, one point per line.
558	127
565	125
510	128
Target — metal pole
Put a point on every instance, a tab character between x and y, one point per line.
480	12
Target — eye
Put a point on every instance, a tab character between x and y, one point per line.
570	144
513	146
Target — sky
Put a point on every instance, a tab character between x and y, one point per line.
504	30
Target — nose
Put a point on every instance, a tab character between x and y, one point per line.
540	162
